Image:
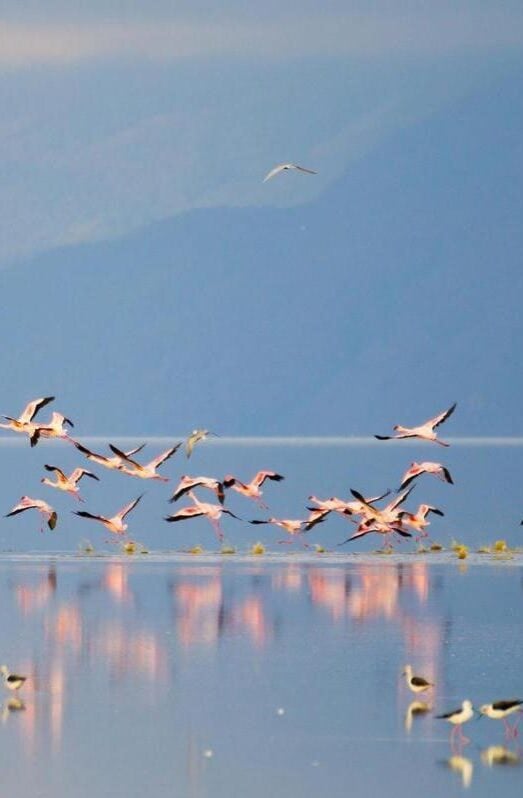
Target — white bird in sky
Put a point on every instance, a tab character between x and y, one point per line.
416	469
26	503
147	471
212	511
115	523
283	167
69	484
114	463
24	423
425	431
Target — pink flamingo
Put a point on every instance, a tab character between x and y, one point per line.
425	431
68	484
416	469
187	483
114	524
114	463
418	520
291	526
56	427
46	511
251	490
24	423
147	471
211	511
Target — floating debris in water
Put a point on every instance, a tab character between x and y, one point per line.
258	548
208	753
227	549
436	547
196	550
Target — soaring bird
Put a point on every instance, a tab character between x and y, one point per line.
195	437
283	167
56	428
292	526
252	489
147	471
425	431
418	520
12	681
187	483
198	509
24	423
68	484
114	463
416	469
47	512
115	523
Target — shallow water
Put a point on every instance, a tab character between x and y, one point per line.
273	676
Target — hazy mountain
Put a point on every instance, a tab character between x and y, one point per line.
393	294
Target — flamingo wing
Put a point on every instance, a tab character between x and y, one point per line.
97	458
187	512
128	507
446	474
261	476
399	499
437	420
123	456
78	473
57	471
85	514
20	509
30	411
164	456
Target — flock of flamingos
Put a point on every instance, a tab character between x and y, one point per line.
390	520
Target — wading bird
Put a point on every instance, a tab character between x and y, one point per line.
115	523
187	483
211	511
12	681
251	490
45	510
147	471
68	484
284	167
416	683
416	469
24	423
458	717
114	463
500	710
424	432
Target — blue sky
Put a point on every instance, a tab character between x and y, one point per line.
119	114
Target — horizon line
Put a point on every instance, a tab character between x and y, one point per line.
279	440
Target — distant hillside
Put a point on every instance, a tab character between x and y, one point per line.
390	296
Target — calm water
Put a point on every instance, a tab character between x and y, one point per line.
204	677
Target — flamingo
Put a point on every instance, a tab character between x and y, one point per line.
47	512
416	469
384	521
418	520
425	431
292	526
252	490
107	462
187	483
115	523
195	437
68	484
212	511
147	471
24	423
283	167
56	427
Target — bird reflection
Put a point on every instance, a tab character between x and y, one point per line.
415	709
31	598
499	755
464	767
11	706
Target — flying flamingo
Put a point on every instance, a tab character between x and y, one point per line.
115	523
416	469
384	521
147	471
24	423
212	511
252	490
418	520
47	512
68	484
283	167
187	483
114	463
56	427
425	431
292	526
